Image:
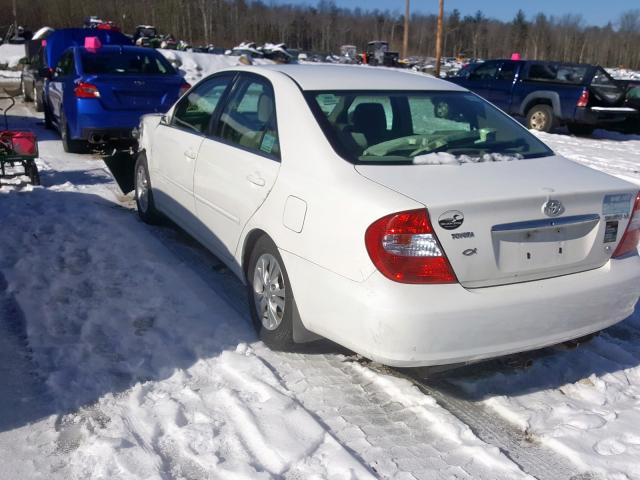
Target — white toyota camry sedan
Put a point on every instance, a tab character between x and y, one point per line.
396	214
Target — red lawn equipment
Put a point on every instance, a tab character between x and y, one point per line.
18	148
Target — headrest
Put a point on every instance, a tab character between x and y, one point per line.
265	108
369	114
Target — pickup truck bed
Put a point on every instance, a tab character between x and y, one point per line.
549	94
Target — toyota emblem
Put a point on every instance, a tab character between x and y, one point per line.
553	208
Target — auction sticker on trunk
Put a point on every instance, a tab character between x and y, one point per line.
611	231
451	219
616	207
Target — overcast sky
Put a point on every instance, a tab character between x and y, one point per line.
594	12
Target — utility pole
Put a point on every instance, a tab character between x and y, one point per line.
439	38
405	37
15	18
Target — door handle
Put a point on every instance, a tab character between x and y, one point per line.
256	180
190	154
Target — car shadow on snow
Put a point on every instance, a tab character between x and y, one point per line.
93	302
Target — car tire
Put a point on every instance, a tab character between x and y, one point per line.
270	295
70	145
25	95
580	130
48	121
541	118
37	99
143	192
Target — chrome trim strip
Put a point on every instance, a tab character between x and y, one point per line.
547	223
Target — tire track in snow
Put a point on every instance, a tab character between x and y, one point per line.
522	448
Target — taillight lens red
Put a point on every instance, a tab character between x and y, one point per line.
631	238
86	90
583	101
184	87
404	248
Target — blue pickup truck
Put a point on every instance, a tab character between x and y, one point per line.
548	94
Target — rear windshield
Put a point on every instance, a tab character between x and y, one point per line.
122	62
557	72
404	127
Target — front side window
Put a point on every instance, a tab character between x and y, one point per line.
418	123
249	118
65	65
125	62
195	110
507	71
485	71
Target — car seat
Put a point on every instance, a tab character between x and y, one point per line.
369	124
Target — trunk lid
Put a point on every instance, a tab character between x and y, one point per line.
145	93
490	217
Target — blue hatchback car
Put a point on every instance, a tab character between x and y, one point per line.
97	95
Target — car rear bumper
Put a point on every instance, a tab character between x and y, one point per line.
605	118
97	125
419	325
108	135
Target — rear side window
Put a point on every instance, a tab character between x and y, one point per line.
557	72
195	110
249	118
123	62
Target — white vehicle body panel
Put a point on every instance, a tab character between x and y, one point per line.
320	234
229	186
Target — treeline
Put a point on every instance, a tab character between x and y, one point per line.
324	27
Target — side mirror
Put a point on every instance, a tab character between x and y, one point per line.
164	120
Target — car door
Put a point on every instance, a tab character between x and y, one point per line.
480	80
238	165
63	77
502	85
176	142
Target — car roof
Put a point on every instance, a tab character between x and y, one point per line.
124	48
355	77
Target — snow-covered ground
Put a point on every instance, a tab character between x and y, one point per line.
126	352
195	66
624	73
129	354
10	55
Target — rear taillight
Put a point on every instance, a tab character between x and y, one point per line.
184	87
86	90
583	101
631	238
404	247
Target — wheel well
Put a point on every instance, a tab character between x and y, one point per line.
249	242
537	101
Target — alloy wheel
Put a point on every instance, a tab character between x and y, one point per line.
538	120
142	189
269	291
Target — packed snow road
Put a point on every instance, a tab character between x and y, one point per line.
127	353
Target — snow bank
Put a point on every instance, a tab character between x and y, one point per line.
444	158
10	55
623	73
195	66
